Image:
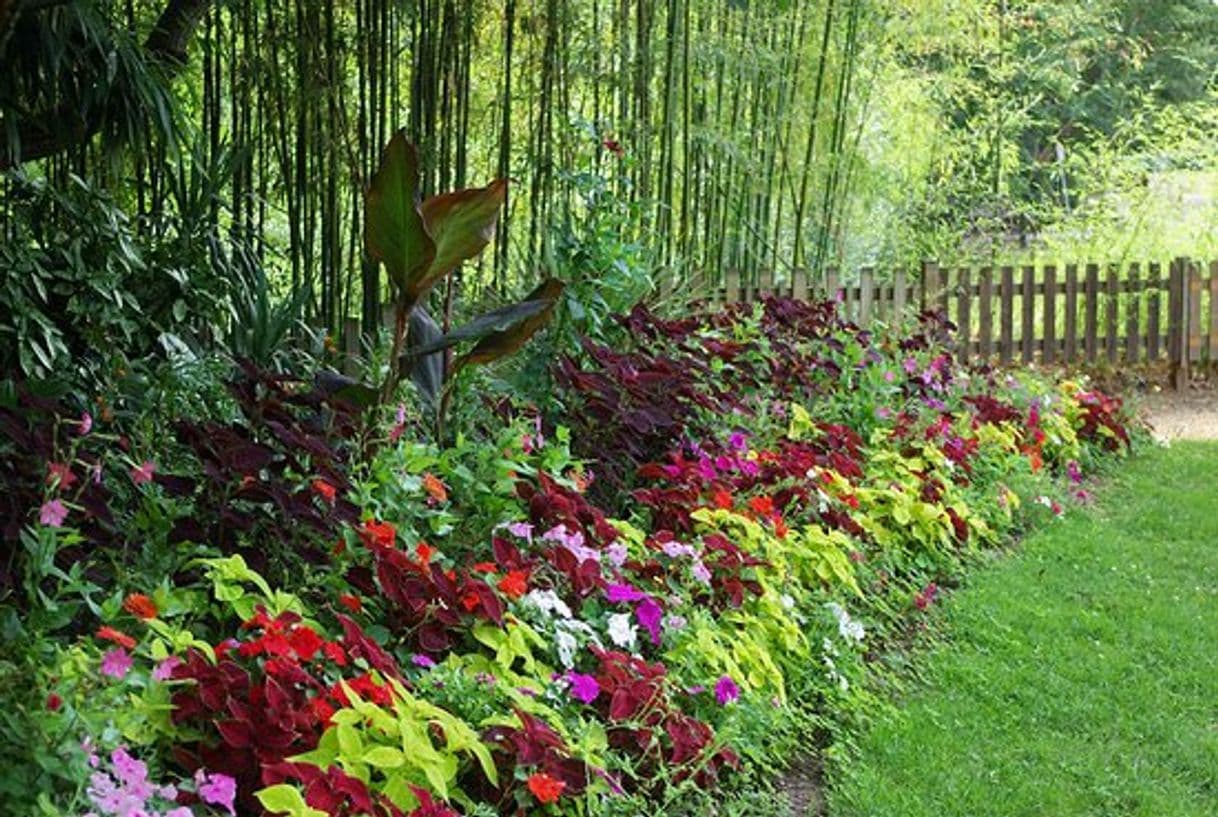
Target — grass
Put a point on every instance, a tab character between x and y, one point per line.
1079	677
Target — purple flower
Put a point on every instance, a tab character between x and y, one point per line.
216	789
116	663
910	365
649	614
706	468
164	670
583	687
1075	472
675	550
623	593
617	554
749	468
420	660
889	377
130	772
737	441
53	513
726	690
935	403
521	530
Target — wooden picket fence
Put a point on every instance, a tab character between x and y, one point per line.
1075	314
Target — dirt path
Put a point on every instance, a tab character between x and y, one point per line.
1186	415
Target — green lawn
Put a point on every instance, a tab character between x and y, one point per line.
1079	677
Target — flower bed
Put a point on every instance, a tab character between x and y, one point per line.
638	605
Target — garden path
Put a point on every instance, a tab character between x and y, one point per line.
1186	415
1079	677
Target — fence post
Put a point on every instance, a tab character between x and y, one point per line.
926	287
731	287
1177	323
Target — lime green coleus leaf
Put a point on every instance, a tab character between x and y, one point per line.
286	799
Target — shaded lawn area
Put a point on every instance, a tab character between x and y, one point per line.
1079	677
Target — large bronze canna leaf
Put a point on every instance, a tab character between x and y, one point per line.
502	342
394	230
461	224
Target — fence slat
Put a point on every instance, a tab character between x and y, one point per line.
1006	315
1027	331
832	285
1048	352
765	284
1071	315
898	296
731	286
1194	311
930	279
964	318
1091	305
1212	341
1110	308
866	295
1175	320
799	284
986	329
1154	287
1132	304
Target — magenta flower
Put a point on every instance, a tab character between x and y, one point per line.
1075	472
737	441
424	661
583	687
53	513
649	614
130	772
726	690
116	663
142	474
86	423
623	592
216	789
164	670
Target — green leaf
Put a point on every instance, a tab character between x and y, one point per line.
384	757
286	799
394	231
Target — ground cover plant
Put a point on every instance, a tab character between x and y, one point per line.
643	597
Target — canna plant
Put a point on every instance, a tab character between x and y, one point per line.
421	242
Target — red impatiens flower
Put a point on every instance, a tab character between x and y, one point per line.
425	552
114	636
762	505
351	602
62	472
324	490
54	702
486	567
140	606
545	788
614	147
927	597
305	642
378	534
515	584
436	490
722	500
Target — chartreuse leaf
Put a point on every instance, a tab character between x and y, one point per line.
384	757
286	799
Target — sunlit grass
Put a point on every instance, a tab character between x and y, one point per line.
1080	677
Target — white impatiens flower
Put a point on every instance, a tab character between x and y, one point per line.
621	631
567	645
847	628
548	602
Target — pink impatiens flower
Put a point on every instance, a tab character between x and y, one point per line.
142	474
53	513
164	670
726	690
649	613
583	687
86	423
116	663
216	789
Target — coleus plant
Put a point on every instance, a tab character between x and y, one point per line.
421	242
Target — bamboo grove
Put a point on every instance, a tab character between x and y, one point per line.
730	126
